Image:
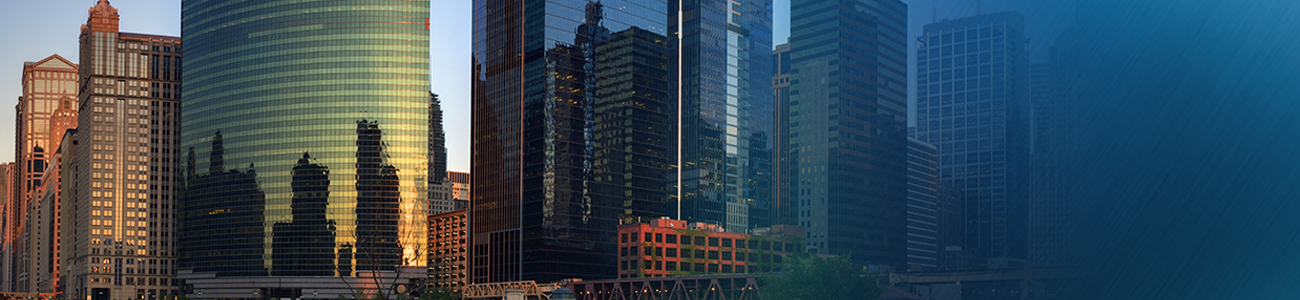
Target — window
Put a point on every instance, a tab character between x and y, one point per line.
647	237
659	251
699	241
623	238
726	243
647	251
670	266
622	251
699	254
713	254
670	252
659	238
726	255
713	242
670	238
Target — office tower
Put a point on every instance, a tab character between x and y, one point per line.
632	124
448	263
128	120
666	248
535	85
784	209
923	229
848	127
311	121
45	224
972	104
721	72
440	189
46	109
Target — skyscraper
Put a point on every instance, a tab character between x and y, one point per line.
721	74
1055	195
848	127
535	215
128	120
972	103
311	120
10	190
46	109
440	188
785	209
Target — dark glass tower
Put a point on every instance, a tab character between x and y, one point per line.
848	126
973	104
330	102
437	142
722	74
535	213
785	209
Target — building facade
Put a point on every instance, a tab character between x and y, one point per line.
922	206
9	225
310	124
721	71
448	251
784	207
441	197
972	104
460	187
847	118
123	243
46	109
665	247
534	214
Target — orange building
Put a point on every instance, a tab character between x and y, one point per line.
667	247
447	264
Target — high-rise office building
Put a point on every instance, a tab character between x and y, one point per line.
848	127
123	245
46	109
784	208
632	124
923	231
311	121
441	197
721	73
535	215
972	104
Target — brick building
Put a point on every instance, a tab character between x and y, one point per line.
667	247
447	251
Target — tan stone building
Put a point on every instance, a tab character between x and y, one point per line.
124	241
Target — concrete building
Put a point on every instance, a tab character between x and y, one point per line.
448	252
665	248
123	246
460	187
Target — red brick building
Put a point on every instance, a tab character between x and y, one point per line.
666	247
447	251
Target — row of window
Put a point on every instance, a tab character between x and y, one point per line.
701	241
699	254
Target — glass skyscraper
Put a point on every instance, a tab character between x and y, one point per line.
722	75
551	82
973	90
848	127
305	144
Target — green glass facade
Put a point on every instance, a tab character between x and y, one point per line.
305	130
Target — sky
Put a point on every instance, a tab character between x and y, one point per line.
52	26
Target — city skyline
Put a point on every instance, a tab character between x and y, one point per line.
448	61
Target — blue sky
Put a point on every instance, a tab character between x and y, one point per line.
36	30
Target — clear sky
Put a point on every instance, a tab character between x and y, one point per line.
36	29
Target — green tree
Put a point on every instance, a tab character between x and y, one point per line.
809	277
439	294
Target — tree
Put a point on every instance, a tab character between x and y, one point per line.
809	277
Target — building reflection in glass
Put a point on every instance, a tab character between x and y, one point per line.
221	208
544	208
303	246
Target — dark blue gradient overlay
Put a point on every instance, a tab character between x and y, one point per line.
1189	149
